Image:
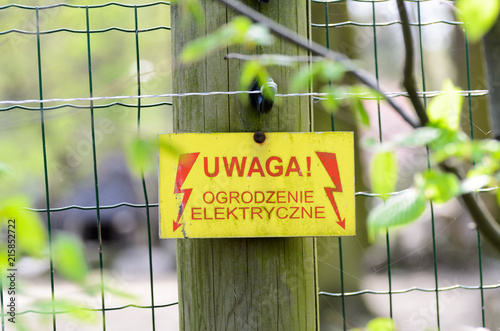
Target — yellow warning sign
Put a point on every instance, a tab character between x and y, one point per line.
257	185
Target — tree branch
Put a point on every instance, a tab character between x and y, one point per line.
486	224
316	49
409	80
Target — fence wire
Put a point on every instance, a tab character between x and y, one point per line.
376	27
45	105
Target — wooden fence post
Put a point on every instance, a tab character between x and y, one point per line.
242	284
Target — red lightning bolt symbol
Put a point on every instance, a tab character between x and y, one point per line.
329	161
186	162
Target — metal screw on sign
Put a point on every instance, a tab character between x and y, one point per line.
259	137
263	102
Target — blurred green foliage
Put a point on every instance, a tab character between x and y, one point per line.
479	16
379	324
65	74
239	31
64	63
446	142
384	172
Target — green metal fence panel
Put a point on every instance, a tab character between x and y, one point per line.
37	26
376	26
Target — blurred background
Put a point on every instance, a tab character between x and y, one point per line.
133	266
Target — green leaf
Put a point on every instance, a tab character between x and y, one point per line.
362	91
370	143
357	91
226	35
30	232
69	257
360	111
457	149
251	71
487	146
444	110
95	289
4	168
384	173
327	71
72	307
141	153
195	8
4	262
330	103
201	47
331	100
240	25
380	324
488	166
398	210
277	59
331	71
239	31
258	34
419	137
304	78
439	186
448	137
451	144
190	9
169	148
479	16
268	88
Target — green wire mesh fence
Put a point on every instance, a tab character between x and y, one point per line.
84	80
